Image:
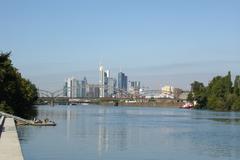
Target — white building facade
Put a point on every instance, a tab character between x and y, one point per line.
101	81
72	85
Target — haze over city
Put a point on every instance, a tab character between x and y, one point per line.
156	42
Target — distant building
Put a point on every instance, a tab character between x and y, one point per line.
183	96
83	88
112	84
177	92
106	84
101	81
72	87
168	89
92	91
134	88
135	85
65	89
108	73
167	92
122	81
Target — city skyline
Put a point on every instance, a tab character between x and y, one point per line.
156	42
156	82
108	86
112	87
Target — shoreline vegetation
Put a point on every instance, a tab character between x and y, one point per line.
17	94
221	94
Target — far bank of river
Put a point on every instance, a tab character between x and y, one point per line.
169	103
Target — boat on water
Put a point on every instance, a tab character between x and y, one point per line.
187	105
84	104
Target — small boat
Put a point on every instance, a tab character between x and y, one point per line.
187	105
84	104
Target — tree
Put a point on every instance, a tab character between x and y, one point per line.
17	94
197	87
236	105
201	100
220	94
228	82
217	87
237	86
215	103
190	97
198	94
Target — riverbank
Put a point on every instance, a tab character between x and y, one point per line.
10	148
156	103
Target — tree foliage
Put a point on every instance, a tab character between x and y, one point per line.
17	95
237	86
220	94
198	94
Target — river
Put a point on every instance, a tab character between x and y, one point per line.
132	133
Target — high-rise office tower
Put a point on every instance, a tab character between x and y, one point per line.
106	84
108	73
72	87
101	81
112	82
136	85
122	81
83	87
65	89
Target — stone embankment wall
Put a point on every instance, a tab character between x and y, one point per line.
10	148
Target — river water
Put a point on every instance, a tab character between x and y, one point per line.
132	133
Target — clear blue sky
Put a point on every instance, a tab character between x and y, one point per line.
155	41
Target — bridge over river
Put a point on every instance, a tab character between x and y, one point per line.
58	97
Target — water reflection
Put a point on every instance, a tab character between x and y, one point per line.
109	135
233	121
98	132
68	122
102	133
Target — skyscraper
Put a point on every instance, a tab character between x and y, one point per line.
72	85
106	84
125	83
112	82
101	81
135	85
83	87
93	91
122	81
108	73
65	89
134	88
